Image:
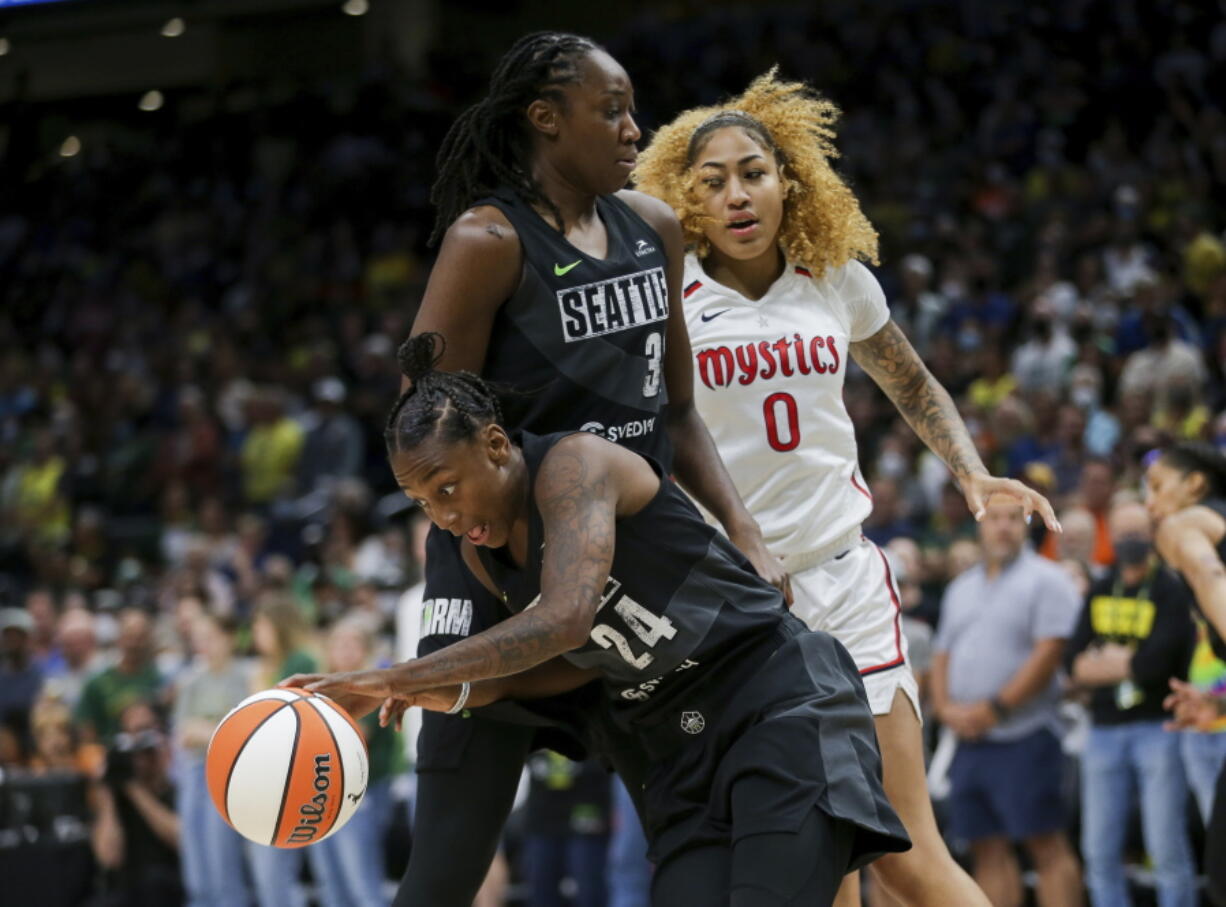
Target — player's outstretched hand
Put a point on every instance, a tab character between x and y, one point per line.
436	699
1191	708
753	546
980	488
392	712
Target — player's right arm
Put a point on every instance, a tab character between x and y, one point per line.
583	486
479	267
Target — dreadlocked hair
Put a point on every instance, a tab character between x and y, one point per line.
450	405
487	146
1188	457
823	226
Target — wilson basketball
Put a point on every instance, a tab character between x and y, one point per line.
287	768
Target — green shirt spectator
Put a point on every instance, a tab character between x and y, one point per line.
384	746
270	452
299	662
134	678
108	693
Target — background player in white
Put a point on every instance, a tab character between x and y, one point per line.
776	303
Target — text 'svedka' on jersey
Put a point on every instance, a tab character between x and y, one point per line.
580	344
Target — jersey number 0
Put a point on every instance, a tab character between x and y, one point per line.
782	421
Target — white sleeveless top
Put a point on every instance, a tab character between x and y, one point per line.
768	381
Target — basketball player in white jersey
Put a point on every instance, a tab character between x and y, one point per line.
777	304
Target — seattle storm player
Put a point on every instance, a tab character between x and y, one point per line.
777	305
561	288
765	783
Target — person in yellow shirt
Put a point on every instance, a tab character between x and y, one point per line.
995	381
40	502
269	453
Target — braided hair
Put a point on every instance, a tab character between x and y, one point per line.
1188	457
452	405
487	146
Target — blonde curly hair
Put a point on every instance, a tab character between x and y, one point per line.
823	226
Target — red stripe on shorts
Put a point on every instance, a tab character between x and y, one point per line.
860	488
900	658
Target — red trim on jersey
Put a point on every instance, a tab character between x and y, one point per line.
900	658
690	289
803	271
860	488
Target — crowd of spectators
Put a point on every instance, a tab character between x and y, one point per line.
199	312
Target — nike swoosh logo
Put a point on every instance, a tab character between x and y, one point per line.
560	271
715	315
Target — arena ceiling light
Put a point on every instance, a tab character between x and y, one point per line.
71	147
355	7
174	27
151	101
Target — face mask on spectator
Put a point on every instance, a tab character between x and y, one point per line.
893	464
1132	551
1084	396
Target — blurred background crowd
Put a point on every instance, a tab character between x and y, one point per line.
199	312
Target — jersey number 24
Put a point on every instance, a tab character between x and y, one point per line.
646	625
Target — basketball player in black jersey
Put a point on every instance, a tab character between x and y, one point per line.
765	787
1186	497
561	286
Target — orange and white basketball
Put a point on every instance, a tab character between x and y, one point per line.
287	767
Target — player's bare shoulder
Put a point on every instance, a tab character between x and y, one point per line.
483	228
659	215
592	466
1200	520
480	264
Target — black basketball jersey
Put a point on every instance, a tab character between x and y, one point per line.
580	344
1218	506
681	601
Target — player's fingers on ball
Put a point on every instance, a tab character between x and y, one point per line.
299	680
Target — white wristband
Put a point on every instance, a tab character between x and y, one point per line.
462	699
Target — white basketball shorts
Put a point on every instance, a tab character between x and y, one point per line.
848	590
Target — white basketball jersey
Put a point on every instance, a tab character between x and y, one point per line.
768	381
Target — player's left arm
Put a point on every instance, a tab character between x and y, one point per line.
891	361
697	464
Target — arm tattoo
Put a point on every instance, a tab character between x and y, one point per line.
892	362
579	522
577	505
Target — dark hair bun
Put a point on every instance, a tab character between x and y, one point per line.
417	356
1202	457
